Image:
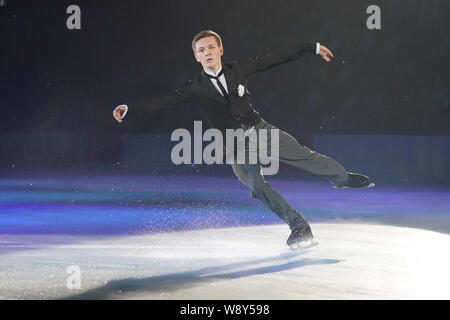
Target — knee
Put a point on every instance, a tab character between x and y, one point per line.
256	185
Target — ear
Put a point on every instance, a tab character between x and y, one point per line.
221	51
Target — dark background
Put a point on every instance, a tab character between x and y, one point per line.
392	81
389	81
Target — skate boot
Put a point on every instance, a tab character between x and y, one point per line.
356	180
301	238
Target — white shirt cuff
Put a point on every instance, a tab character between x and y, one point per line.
126	110
317	48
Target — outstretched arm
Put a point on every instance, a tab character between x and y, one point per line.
275	58
177	97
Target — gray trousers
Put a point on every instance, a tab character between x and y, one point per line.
292	153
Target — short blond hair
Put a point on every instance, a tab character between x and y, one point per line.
204	34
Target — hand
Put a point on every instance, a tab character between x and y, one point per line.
118	112
325	53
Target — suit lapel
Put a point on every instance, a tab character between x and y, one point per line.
231	81
212	91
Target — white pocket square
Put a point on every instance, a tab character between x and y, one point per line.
241	90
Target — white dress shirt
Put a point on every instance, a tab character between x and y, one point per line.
221	79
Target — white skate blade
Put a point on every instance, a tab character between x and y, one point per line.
303	245
371	185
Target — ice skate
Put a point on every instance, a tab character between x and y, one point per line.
357	180
301	238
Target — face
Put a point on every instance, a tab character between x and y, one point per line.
208	53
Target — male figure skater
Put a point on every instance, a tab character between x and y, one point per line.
215	90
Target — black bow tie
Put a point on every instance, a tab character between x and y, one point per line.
222	89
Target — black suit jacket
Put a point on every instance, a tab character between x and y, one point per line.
222	114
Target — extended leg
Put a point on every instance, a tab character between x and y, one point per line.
293	153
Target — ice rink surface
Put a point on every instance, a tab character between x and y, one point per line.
352	261
196	237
